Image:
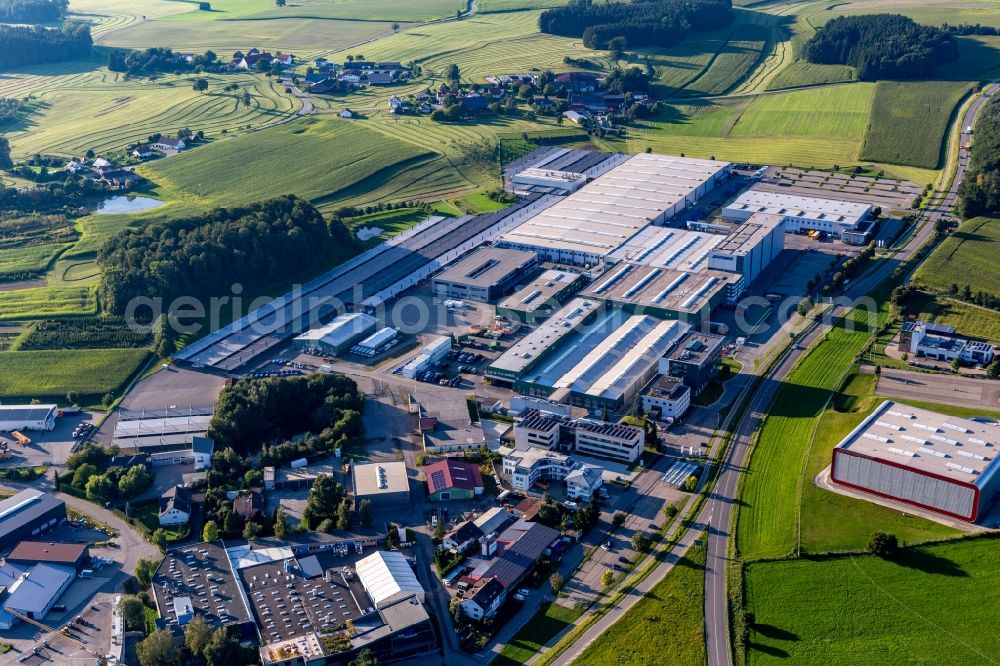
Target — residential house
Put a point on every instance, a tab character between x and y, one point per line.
452	479
175	506
463	537
203	448
346	113
379	78
169	143
485	599
143	150
583	480
577	81
474	103
250	506
283	58
73	167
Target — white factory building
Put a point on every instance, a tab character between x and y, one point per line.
337	336
799	213
557	181
748	250
944	464
433	352
27	417
586	226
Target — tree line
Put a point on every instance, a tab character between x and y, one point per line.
31	45
11	111
32	11
202	256
659	23
979	193
882	46
160	59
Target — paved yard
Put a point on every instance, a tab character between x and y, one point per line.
942	389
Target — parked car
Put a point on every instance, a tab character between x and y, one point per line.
624	560
618	567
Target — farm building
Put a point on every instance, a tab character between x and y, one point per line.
944	464
602	215
484	275
337	336
385	484
27	515
451	479
27	417
799	213
538	300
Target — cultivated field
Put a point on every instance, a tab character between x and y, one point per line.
909	121
315	158
819	127
51	374
301	27
966	257
44	302
930	604
971	320
83	106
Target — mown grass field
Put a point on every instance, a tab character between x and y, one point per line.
932	604
543	627
312	157
835	523
967	257
767	524
667	626
51	374
819	127
391	222
42	302
909	121
83	106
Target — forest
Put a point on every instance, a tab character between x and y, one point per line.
204	255
882	46
659	23
979	193
256	416
32	45
32	11
11	110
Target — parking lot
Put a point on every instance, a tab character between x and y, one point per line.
46	448
888	193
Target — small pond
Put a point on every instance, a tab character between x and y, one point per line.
126	204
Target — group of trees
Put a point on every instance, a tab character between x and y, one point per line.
101	484
267	412
31	45
32	11
202	256
882	46
202	645
660	23
979	193
158	59
11	111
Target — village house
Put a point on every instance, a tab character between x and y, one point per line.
169	143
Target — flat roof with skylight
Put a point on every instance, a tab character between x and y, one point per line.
660	290
949	446
844	213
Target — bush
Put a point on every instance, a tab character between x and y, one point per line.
883	545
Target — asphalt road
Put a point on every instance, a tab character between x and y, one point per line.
718	509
